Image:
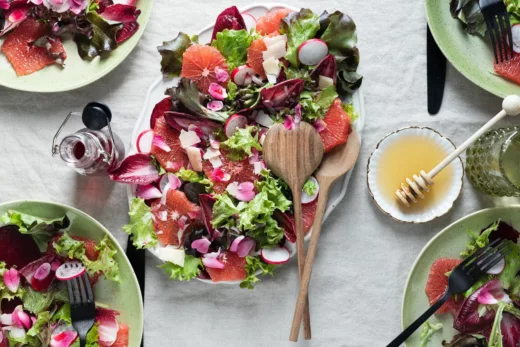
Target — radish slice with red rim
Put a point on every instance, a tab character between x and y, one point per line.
312	51
249	20
515	30
236	121
144	141
306	198
42	272
70	270
276	255
498	268
240	74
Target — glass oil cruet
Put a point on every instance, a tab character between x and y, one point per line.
94	149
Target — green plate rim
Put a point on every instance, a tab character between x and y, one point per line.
110	236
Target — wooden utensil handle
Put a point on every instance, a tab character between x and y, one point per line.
303	295
300	245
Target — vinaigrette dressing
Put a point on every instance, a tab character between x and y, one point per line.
406	156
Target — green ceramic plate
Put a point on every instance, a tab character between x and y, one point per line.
471	55
77	72
448	243
124	297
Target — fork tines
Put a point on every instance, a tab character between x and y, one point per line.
499	28
487	257
80	291
82	306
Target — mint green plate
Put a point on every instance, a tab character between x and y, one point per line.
471	55
77	72
448	243
124	297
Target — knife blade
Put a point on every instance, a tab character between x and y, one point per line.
137	260
436	71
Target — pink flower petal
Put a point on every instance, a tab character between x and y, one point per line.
320	125
4	5
201	245
217	91
245	247
182	223
175	182
222	75
77	6
289	123
215	105
12	280
213	263
255	157
17	15
258	167
55	265
158	141
213	254
298	113
148	192
243	191
220	176
235	243
195	214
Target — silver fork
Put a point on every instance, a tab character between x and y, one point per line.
82	306
499	28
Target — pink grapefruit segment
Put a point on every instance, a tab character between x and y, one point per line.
438	281
233	269
510	69
176	158
199	63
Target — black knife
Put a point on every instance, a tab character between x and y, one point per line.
137	260
436	69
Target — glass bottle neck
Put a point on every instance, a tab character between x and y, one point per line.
80	150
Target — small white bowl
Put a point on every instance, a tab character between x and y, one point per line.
393	207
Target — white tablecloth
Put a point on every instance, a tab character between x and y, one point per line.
364	256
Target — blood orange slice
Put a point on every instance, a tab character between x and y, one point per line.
169	218
233	269
122	336
270	22
23	55
510	69
255	57
240	171
338	123
438	281
176	158
199	63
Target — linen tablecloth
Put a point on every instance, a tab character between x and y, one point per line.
364	256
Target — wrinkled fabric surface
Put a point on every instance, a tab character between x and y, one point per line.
364	257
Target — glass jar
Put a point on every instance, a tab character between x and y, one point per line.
493	162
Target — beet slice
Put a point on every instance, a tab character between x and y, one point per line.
17	249
504	231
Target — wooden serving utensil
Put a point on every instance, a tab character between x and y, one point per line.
293	155
335	164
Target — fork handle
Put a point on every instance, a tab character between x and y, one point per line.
82	341
419	321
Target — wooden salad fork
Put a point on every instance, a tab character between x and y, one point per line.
334	165
82	306
465	275
293	155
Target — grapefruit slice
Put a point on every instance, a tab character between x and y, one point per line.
438	281
510	69
233	269
270	22
23	56
176	207
338	124
240	171
176	158
123	338
255	57
199	63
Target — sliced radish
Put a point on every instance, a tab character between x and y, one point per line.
291	247
42	272
70	270
515	30
195	158
257	80
276	255
324	82
307	199
144	141
236	121
240	73
312	51
148	192
498	268
249	20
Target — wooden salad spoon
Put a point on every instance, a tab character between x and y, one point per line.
334	165
293	155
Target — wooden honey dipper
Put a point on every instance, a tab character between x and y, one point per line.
416	188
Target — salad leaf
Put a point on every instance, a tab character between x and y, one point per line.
171	52
340	35
5	293
309	187
105	263
224	211
190	270
233	45
42	328
351	112
231	90
348	81
101	39
428	330
41	229
192	176
470	16
230	18
509	277
242	142
495	337
253	265
299	27
93	336
267	232
466	340
479	241
62	315
326	97
513	7
37	302
274	189
141	225
256	212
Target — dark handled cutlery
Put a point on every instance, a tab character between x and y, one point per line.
499	28
82	306
137	260
461	279
436	70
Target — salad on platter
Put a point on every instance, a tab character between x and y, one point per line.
488	314
35	259
468	12
34	30
205	203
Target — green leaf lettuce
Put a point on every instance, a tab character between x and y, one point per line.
141	226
